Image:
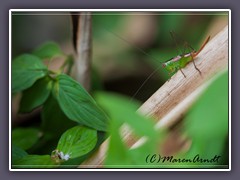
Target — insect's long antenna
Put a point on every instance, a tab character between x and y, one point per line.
141	50
204	44
145	81
118	36
173	35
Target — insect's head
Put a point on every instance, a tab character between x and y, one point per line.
169	66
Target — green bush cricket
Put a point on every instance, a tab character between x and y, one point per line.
172	65
176	63
180	61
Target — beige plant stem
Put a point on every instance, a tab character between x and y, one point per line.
176	96
83	48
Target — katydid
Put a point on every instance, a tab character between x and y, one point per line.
177	63
174	64
180	61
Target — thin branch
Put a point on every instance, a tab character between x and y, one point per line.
176	96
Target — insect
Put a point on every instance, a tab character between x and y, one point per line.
180	61
174	64
59	156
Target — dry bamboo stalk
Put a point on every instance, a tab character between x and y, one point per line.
174	98
83	48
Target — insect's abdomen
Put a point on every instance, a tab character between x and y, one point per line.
184	61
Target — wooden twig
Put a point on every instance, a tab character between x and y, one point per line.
82	39
175	97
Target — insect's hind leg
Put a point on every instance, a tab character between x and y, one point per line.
190	47
195	65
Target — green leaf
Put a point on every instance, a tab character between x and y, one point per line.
36	95
77	104
35	161
207	122
54	118
26	69
17	153
117	154
77	141
152	146
48	51
25	137
74	163
120	109
45	144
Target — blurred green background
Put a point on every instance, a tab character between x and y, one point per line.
120	66
118	63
